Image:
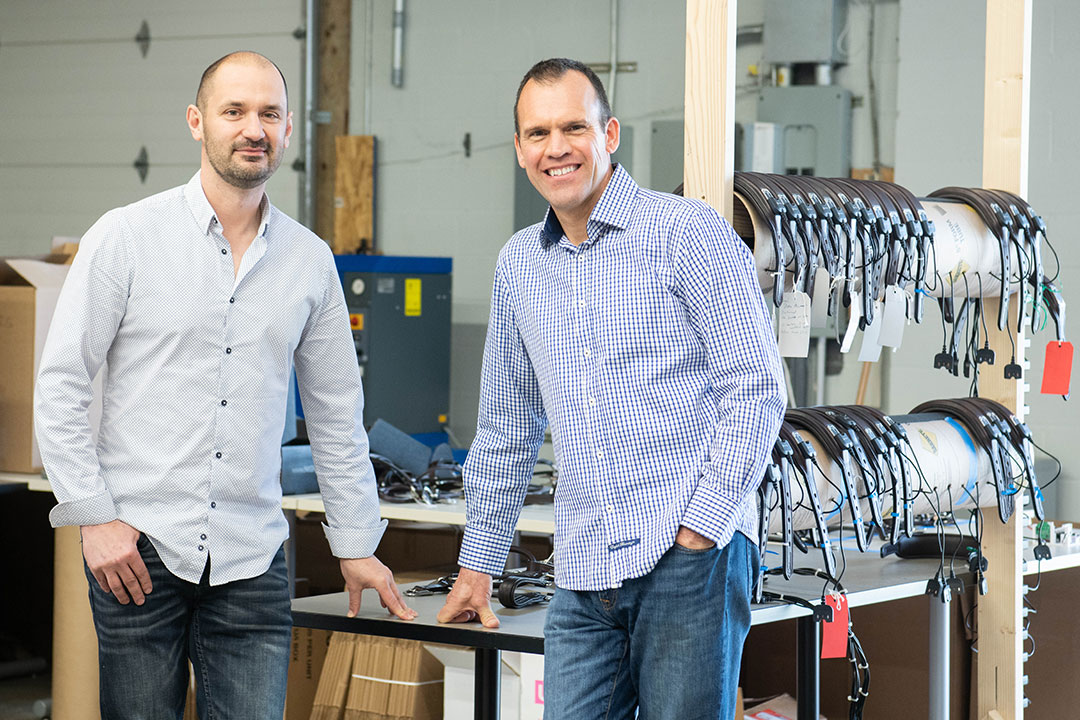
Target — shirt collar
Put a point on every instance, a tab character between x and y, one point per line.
614	208
203	212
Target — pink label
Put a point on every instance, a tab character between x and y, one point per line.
539	692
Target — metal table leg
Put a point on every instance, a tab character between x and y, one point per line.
487	676
808	668
290	551
939	656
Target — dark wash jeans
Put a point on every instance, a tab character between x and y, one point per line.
236	635
668	643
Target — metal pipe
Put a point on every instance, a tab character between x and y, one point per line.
396	73
487	679
369	63
819	371
808	667
614	59
310	75
939	656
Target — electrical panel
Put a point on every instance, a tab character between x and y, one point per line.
399	311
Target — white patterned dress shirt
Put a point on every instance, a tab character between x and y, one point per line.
197	370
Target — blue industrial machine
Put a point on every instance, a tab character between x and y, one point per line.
399	310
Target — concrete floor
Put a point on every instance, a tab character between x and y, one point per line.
17	696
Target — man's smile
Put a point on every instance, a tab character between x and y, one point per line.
560	171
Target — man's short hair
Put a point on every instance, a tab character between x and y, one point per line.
248	56
550	70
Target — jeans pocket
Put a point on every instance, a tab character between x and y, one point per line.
683	550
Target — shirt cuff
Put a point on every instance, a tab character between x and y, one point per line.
94	510
347	543
484	550
712	514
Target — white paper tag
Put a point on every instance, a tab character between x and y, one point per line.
871	348
854	313
795	325
819	305
893	317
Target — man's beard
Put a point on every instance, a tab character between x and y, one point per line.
239	172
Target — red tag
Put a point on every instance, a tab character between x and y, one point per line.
1057	368
834	634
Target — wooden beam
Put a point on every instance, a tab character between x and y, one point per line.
354	195
1005	167
333	97
709	110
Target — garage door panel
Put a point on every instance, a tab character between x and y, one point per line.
38	203
52	21
103	80
79	101
101	111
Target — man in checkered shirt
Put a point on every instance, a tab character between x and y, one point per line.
629	322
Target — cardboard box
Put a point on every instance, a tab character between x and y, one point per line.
532	687
333	685
28	293
459	687
306	658
394	679
781	707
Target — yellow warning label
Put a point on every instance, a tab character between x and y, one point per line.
412	297
356	321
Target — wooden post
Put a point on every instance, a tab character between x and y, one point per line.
709	110
1005	167
333	95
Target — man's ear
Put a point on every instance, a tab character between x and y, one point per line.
288	128
517	149
195	122
611	136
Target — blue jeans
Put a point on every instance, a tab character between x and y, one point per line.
236	635
668	643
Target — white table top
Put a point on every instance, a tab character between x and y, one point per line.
534	518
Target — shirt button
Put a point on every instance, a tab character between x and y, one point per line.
213	504
581	303
203	536
200	547
611	509
600	454
223	252
224	403
232	299
592	400
217	455
587	352
228	351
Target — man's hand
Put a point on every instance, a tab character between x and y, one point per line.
361	573
114	561
692	540
469	599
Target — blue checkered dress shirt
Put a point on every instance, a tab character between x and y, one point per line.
650	352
